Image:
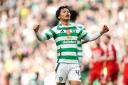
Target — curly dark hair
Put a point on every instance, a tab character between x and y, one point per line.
59	9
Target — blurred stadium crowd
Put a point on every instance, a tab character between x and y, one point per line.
24	60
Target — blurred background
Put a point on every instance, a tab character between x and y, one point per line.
26	61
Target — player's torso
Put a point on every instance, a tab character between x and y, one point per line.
67	44
97	54
111	49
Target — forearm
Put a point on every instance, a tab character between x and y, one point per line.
39	37
91	37
84	41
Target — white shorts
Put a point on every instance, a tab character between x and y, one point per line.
68	72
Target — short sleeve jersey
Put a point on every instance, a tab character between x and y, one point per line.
67	39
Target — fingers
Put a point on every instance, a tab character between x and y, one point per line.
36	28
104	25
106	28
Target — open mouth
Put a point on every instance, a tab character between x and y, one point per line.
67	16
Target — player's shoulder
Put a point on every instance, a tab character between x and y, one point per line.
54	28
80	26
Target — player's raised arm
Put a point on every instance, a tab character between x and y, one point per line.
39	37
94	36
46	35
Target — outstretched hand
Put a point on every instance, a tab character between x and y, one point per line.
105	29
36	28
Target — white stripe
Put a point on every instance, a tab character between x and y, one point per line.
55	30
79	54
67	46
79	48
67	53
65	38
68	61
78	42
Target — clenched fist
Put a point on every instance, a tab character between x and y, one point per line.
36	28
105	29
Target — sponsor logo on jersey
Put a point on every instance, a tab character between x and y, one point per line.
69	42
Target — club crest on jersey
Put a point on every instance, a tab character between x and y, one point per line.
60	78
68	32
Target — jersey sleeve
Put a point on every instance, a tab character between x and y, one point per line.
80	26
87	36
46	35
49	34
82	33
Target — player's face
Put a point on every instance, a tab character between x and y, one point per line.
64	14
106	40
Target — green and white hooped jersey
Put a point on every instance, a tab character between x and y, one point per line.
68	41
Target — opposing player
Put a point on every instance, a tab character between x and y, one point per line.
66	36
110	61
96	63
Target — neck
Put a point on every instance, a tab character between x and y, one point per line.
64	22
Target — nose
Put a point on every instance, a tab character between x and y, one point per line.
68	13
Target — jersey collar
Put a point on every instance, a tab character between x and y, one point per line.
71	25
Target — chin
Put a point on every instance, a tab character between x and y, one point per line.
67	19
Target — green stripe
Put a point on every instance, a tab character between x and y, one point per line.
80	33
79	45
68	57
53	33
67	50
83	35
80	56
79	50
48	37
59	42
57	67
61	35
